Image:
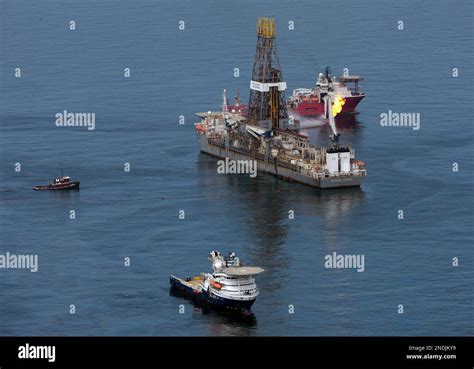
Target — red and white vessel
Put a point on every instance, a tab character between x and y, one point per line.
307	102
60	183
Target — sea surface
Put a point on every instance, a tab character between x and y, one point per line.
134	214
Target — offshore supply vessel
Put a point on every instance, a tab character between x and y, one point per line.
230	286
266	134
306	102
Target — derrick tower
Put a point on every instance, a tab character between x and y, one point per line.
267	105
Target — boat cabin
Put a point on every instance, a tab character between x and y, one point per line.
64	179
345	80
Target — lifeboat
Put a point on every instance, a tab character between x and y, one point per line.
215	284
200	128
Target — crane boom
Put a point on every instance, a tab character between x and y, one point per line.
330	117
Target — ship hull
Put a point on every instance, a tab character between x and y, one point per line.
202	297
279	171
69	186
218	302
313	108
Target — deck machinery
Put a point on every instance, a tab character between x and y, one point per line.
268	135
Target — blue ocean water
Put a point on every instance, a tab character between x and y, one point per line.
135	214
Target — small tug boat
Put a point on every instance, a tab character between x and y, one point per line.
60	183
231	286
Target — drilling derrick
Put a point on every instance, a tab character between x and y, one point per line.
267	105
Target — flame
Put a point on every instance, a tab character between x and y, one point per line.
339	101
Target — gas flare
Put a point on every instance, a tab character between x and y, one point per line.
339	101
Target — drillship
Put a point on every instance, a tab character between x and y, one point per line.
231	286
267	135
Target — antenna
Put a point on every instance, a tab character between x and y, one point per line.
237	98
224	102
328	72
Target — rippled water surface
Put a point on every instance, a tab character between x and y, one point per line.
135	214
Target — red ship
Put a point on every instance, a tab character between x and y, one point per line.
61	183
237	108
306	102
